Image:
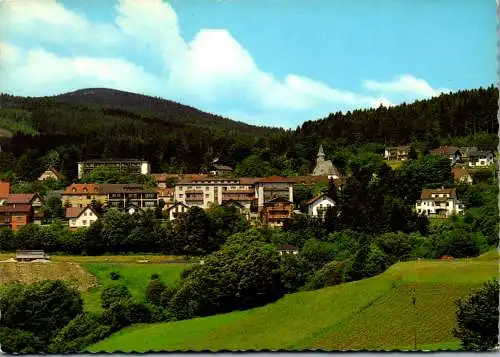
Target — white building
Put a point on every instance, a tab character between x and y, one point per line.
439	202
206	191
79	217
317	206
176	209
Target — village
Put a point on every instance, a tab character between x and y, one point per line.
262	200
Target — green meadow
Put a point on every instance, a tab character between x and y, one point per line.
375	314
134	276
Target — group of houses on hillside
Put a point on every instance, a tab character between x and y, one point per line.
269	200
459	156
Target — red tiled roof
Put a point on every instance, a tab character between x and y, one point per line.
445	150
249	180
74	212
23	198
16	208
458	172
91	189
272	179
165	192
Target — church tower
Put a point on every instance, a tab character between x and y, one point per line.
321	155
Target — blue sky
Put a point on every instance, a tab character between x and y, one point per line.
266	62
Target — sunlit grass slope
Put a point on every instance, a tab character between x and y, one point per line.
134	276
375	313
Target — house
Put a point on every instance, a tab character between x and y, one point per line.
461	175
123	165
452	152
81	217
50	174
397	153
82	194
268	188
16	215
276	211
288	249
125	196
29	255
478	158
177	209
325	167
439	202
167	195
317	206
220	170
240	208
32	199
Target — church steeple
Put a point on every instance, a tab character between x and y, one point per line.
321	154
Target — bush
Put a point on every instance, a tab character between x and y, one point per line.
114	276
155	276
477	318
294	272
329	275
124	313
154	291
82	331
114	293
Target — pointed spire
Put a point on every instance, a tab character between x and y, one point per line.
321	153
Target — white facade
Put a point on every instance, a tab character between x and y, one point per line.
439	203
482	161
203	193
85	219
177	209
318	207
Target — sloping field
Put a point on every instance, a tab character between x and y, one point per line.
29	273
375	313
134	276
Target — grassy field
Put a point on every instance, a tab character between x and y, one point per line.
134	276
91	273
375	313
394	164
29	273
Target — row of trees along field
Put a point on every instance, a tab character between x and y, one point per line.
63	130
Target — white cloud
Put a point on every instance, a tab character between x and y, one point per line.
213	71
405	84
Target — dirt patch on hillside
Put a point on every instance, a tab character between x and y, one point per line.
31	272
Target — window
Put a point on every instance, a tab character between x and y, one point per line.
73	221
207	188
85	189
84	213
198	187
181	195
180	188
207	195
74	189
84	221
88	197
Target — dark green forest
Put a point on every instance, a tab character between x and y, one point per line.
103	123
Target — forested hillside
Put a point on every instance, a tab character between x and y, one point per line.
102	123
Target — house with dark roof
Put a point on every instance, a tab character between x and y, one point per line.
288	249
32	199
177	209
80	217
318	205
276	211
439	202
452	152
50	174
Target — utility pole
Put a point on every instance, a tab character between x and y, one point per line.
414	300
